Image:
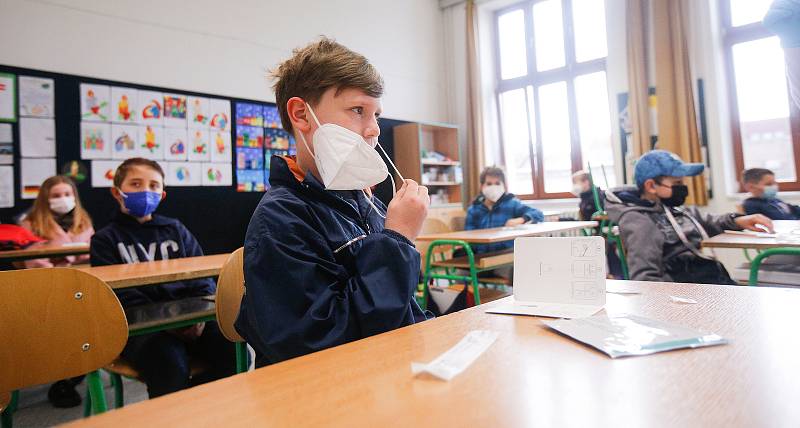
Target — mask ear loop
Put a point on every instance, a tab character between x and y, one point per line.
303	137
391	177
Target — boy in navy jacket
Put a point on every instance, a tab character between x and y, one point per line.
325	262
137	235
495	207
762	186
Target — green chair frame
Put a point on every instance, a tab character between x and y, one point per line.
755	264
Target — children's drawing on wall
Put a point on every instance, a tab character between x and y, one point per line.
175	110
123	104
249	114
75	170
95	101
249	136
250	180
184	174
175	144
95	140
150	108
216	174
198	112
271	117
102	172
150	142
198	145
220	146
124	138
36	97
220	113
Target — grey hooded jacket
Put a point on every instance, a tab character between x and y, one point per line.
651	243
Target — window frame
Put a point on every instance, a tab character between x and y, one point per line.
536	79
730	37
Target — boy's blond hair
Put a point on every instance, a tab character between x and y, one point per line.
322	65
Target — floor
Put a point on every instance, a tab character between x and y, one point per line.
35	411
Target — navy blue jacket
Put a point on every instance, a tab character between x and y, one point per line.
773	208
125	240
506	208
320	270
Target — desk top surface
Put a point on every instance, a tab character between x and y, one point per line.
158	272
45	250
531	376
500	234
788	235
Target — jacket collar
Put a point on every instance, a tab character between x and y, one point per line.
127	220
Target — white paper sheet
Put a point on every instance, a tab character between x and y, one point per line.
545	309
151	108
198	145
124	141
96	141
103	172
6	186
8	95
197	115
220	146
176	144
217	174
456	359
6	144
37	137
151	142
175	111
33	172
36	96
220	113
123	104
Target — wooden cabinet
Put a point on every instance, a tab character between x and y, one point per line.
431	155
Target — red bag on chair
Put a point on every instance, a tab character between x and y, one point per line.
13	237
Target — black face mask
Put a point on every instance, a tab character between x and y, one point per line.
679	194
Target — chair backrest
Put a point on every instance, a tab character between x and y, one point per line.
230	289
56	323
433	225
457	223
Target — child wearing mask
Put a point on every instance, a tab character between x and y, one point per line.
495	207
582	188
325	262
136	235
662	238
58	217
763	188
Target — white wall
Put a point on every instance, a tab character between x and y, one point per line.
226	48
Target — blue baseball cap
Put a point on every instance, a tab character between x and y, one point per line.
663	163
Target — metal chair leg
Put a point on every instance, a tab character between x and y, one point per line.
96	393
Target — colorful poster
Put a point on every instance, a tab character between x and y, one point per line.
96	140
8	98
176	143
220	146
199	149
33	172
249	114
271	117
249	136
37	137
6	144
276	139
198	112
184	174
250	180
95	102
175	110
124	140
151	108
151	142
220	113
36	97
249	158
6	186
103	172
216	174
123	104
75	170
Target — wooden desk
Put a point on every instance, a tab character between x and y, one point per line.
784	228
501	234
158	272
44	251
531	376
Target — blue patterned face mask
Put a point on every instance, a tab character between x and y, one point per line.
140	204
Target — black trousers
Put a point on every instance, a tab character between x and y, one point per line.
163	359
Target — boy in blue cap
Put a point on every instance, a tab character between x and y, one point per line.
662	238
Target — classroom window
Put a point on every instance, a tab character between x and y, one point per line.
764	125
552	95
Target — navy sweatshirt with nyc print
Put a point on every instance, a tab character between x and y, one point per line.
126	240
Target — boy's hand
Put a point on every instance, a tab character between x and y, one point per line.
515	221
751	222
408	209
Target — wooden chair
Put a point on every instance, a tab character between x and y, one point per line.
57	323
230	289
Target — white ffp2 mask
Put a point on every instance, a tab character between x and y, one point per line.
493	192
62	205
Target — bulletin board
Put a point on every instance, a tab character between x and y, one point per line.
216	208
